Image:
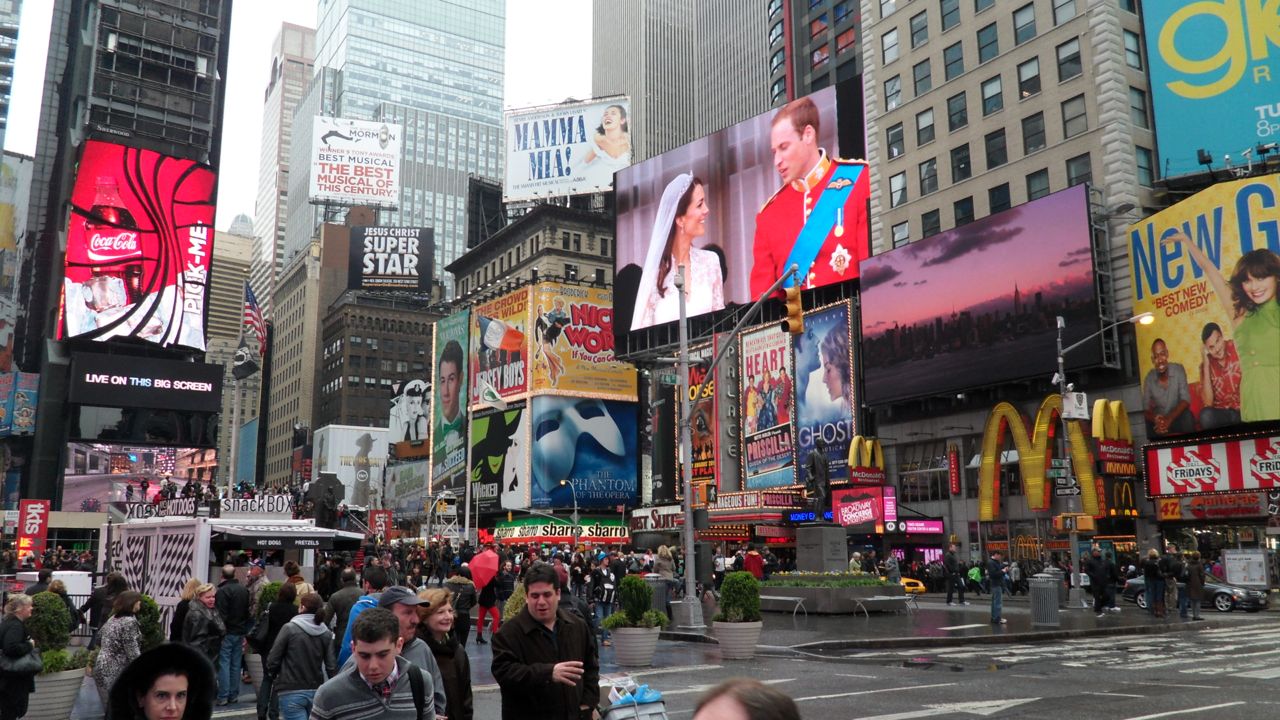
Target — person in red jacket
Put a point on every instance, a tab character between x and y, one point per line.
753	563
818	218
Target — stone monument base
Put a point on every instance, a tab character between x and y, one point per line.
821	547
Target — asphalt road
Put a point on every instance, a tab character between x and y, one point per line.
1223	672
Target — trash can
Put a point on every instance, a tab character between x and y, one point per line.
1061	577
660	591
1044	598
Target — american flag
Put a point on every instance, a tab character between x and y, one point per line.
253	318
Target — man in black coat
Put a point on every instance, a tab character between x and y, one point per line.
232	603
954	572
544	659
41	584
341	603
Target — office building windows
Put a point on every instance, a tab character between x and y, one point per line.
960	166
893	138
892	93
1029	78
963	209
1138	108
889	46
776	61
778	89
988	43
818	25
950	14
928	176
1024	24
957	112
1079	170
1074	118
1069	65
901	233
1146	166
998	198
1033	133
997	150
775	34
842	10
931	223
919	29
775	7
992	97
846	40
923	76
1132	50
1063	10
1129	5
924	127
820	56
980	5
1037	185
887	7
898	189
953	61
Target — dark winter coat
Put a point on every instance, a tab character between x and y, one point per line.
179	619
14	643
233	604
524	654
1195	580
302	657
204	630
278	615
340	603
455	669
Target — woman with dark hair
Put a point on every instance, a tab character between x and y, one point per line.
280	611
100	600
301	659
610	148
15	643
1251	298
119	642
168	682
682	217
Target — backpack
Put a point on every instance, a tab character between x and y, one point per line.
419	688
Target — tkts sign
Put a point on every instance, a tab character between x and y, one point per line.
1225	466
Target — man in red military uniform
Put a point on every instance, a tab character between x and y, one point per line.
818	219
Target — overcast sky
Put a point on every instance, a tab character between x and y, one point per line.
548	60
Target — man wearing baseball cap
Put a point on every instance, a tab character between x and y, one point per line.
403	603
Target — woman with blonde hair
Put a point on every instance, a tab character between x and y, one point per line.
435	628
59	588
180	610
204	629
16	643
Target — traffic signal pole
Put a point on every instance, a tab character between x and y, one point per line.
694	620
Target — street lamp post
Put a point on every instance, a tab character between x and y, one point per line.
577	527
1074	598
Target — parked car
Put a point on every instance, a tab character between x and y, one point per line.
1218	595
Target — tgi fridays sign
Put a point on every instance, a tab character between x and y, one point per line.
1230	506
657	519
1226	466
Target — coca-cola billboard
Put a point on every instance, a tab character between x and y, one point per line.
139	243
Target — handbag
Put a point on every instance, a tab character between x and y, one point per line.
259	635
28	664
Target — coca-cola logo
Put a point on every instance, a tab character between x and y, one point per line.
123	241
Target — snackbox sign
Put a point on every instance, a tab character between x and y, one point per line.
1226	466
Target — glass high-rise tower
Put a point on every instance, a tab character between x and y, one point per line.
436	67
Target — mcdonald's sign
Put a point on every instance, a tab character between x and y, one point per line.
866	461
1115	439
1033	457
1117	500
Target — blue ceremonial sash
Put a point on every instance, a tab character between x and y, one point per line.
821	221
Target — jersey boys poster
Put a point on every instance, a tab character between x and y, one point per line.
824	389
499	347
573	343
139	243
766	418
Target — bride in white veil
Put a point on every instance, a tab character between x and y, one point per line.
682	217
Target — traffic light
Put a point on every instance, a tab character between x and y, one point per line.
794	323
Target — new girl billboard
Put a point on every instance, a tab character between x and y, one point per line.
1208	268
139	243
567	149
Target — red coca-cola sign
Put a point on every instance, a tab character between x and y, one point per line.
139	244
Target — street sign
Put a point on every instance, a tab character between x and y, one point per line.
1063	482
1056	473
1059	462
668	379
1066	491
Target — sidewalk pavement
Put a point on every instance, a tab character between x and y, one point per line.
936	624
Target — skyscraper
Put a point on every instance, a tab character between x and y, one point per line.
10	11
292	58
145	75
435	67
812	45
690	68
